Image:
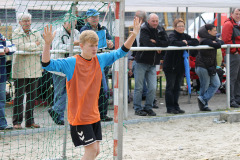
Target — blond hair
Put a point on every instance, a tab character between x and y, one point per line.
88	36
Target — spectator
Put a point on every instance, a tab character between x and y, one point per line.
62	41
143	18
151	35
84	83
231	35
26	69
206	63
93	24
3	78
173	65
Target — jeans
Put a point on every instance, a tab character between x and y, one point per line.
148	72
145	89
208	85
3	122
28	85
173	84
60	95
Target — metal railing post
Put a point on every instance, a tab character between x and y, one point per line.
228	75
125	87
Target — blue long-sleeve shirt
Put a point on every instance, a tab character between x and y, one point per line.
67	65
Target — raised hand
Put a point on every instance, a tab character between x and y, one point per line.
109	44
136	26
48	36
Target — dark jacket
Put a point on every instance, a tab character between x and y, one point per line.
147	33
231	35
134	45
173	60
207	57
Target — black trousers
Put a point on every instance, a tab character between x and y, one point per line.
28	85
103	97
103	102
173	85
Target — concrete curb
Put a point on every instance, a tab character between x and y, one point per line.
132	121
165	119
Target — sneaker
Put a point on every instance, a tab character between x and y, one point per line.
205	109
54	116
200	104
106	118
6	128
60	122
180	111
150	112
155	104
172	111
234	105
140	113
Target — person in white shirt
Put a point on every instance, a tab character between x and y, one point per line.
62	41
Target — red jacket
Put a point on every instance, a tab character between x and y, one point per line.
231	35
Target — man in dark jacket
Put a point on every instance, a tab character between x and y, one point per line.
151	35
231	35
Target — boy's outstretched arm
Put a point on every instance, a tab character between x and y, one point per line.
136	28
48	37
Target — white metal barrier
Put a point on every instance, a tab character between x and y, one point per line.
76	50
227	46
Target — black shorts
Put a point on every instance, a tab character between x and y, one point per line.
83	135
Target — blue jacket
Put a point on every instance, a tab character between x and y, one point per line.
3	44
89	27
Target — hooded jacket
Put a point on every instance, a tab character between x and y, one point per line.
231	35
173	60
207	58
147	33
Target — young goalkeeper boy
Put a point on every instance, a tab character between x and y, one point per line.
83	75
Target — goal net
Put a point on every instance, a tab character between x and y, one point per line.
29	94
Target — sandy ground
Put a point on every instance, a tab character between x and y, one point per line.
182	139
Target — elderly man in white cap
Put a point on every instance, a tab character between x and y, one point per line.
26	69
